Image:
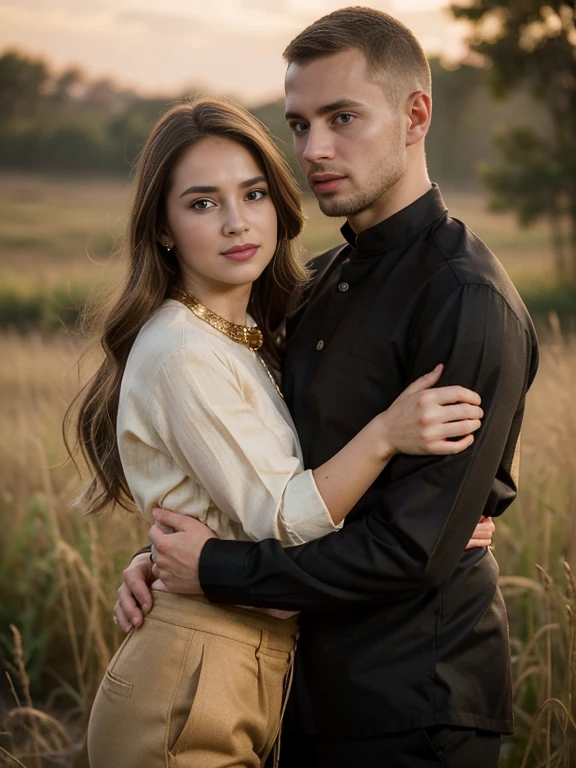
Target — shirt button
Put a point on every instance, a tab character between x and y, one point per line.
343	287
320	345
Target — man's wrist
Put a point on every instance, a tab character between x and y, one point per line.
221	572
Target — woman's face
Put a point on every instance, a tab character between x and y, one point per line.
220	216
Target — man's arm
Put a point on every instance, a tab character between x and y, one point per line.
429	507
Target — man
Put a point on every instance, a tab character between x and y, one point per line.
403	657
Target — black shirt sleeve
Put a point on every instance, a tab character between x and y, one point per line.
430	505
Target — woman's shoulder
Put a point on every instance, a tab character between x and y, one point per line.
174	337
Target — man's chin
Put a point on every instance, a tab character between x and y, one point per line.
332	206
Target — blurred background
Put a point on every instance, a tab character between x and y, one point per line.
81	84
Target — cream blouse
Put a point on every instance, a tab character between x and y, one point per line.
202	431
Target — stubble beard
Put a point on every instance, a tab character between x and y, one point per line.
382	179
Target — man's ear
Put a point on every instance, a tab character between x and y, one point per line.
419	115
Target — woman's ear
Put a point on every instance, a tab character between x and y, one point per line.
165	238
419	114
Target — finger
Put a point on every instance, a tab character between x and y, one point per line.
452	429
426	381
156	571
174	520
136	579
482	533
454	394
131	611
473	543
450	447
156	536
123	622
459	412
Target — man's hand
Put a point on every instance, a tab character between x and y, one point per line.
177	554
134	596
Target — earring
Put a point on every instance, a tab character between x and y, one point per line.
168	247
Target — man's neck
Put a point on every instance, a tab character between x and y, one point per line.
406	191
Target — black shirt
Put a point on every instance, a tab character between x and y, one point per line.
401	628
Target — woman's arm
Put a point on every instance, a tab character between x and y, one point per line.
219	438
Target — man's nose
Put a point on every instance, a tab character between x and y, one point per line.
319	146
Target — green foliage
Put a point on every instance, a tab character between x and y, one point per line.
47	311
533	44
21	81
75	125
30	554
527	179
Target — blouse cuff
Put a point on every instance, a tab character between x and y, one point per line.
305	516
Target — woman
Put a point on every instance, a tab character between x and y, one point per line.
185	413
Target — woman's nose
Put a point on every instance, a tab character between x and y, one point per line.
235	222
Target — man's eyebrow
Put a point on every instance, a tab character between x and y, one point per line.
326	109
204	190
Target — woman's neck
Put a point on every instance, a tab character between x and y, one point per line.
229	302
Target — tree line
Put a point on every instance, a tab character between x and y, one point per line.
506	118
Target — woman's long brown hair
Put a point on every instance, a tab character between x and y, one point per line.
152	272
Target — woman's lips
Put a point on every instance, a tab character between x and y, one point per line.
243	255
329	185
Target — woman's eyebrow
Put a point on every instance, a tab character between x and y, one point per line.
204	190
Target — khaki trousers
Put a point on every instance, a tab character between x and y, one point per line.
197	686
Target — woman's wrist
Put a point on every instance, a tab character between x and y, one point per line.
383	445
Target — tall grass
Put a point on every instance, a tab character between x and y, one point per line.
59	571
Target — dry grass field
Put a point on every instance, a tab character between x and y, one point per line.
59	571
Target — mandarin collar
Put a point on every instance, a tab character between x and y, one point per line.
397	229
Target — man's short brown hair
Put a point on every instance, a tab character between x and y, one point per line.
394	55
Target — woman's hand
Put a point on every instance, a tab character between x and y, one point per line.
423	418
134	594
482	536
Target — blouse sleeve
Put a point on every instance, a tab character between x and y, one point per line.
218	438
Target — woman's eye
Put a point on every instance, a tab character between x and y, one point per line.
202	205
345	118
256	194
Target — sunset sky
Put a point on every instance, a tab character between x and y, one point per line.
225	46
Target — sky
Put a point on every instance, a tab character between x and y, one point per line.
229	47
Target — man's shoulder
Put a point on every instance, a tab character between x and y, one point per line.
467	256
470	262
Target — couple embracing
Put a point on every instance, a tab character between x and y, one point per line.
321	556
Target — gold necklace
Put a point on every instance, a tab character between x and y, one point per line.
241	334
246	335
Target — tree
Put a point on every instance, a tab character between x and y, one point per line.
533	44
21	82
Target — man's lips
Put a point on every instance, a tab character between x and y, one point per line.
241	252
326	182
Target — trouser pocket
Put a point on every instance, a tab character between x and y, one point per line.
130	723
234	710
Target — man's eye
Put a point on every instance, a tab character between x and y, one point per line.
345	118
256	194
202	205
298	127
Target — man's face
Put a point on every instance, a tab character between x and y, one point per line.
349	139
